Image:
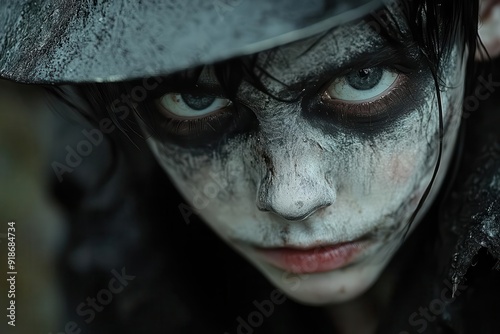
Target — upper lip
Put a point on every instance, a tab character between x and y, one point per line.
310	246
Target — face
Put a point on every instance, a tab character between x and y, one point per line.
315	180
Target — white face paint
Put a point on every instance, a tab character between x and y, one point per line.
317	195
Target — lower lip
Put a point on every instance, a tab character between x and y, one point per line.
313	260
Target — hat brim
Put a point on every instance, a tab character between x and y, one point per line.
59	41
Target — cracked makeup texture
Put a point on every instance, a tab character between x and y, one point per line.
303	180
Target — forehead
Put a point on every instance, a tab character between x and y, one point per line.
332	51
334	47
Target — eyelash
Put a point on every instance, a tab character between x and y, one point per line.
371	109
198	124
198	132
368	118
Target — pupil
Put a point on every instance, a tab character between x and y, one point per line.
198	101
365	79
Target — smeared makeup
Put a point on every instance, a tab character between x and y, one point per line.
302	171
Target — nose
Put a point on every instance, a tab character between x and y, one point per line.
294	191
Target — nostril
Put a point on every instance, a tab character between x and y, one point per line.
299	217
263	208
295	215
262	203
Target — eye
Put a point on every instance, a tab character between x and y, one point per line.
362	85
185	106
196	118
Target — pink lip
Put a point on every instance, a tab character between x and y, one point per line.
315	259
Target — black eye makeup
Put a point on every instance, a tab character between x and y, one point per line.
366	94
191	114
369	96
186	106
363	85
359	93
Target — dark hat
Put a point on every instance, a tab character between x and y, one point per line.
62	41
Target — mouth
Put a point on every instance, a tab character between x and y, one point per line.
314	259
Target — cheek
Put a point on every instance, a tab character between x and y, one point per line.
405	157
213	184
401	169
403	154
398	176
406	175
190	174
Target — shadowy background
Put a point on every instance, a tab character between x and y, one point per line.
26	137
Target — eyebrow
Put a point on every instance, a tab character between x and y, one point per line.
387	28
404	56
